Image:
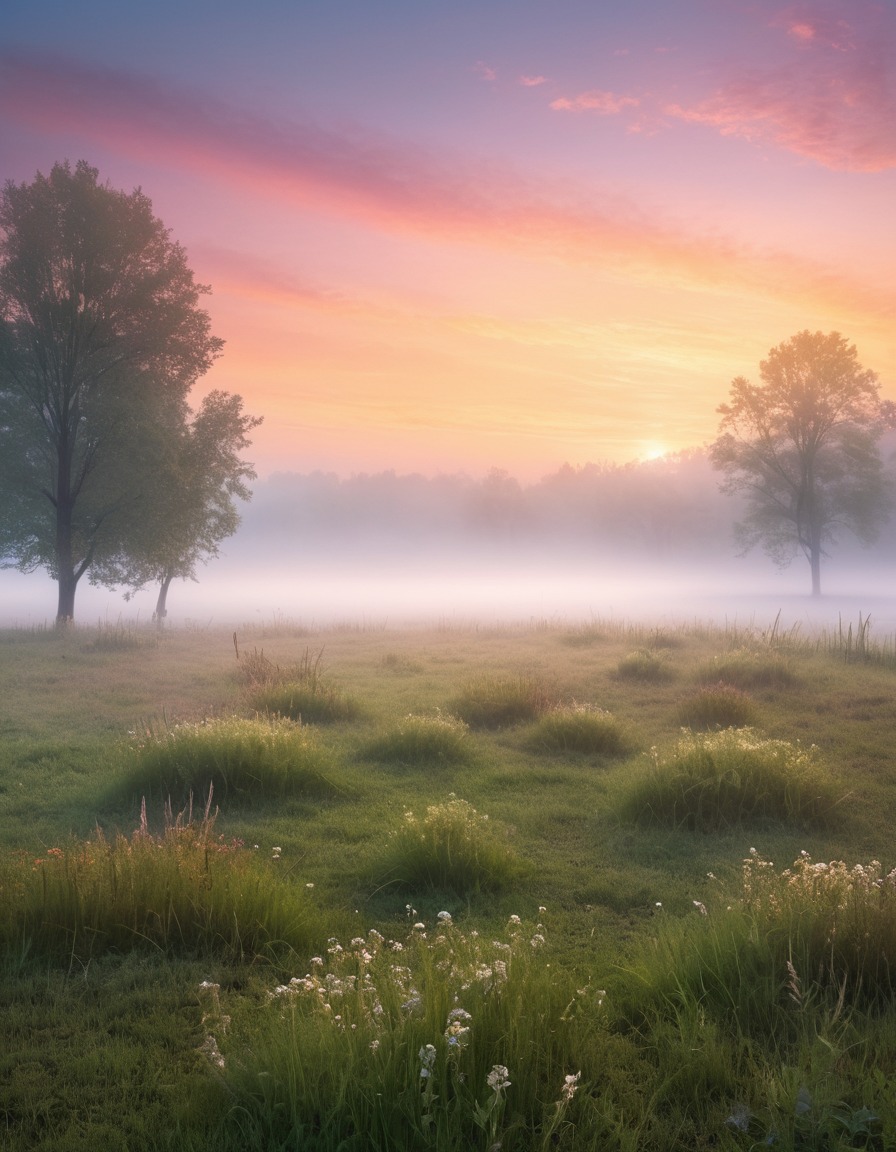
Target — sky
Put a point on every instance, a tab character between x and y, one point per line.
448	237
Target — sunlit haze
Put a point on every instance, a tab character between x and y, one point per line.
489	233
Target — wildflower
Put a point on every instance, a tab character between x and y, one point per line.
701	908
309	885
419	926
537	940
458	1014
568	1090
497	1078
374	1045
427	1058
514	920
445	917
541	909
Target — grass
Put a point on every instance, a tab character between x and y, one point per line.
730	778
158	981
580	728
299	691
450	848
749	668
645	666
261	757
183	890
717	706
428	741
495	701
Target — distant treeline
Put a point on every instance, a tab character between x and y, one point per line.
668	508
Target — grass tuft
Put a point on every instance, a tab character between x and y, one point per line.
452	848
264	757
717	706
299	691
423	740
723	779
495	701
749	668
645	666
184	890
580	728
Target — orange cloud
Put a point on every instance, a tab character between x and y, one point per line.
604	103
484	70
382	183
533	81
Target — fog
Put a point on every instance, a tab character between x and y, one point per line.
651	542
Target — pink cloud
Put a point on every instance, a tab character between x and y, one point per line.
833	102
382	183
484	70
595	100
532	81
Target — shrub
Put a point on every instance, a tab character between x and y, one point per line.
183	890
717	706
496	701
579	728
725	778
272	757
644	665
451	849
426	740
749	668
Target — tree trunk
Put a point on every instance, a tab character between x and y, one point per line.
815	564
161	611
65	565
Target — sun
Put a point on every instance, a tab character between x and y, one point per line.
651	450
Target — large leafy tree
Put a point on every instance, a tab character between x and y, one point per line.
802	447
193	507
101	338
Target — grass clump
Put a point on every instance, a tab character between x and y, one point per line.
452	848
183	890
722	779
423	740
580	728
299	691
717	706
270	757
646	666
749	668
810	940
318	702
459	1044
496	701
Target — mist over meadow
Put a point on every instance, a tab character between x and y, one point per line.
648	540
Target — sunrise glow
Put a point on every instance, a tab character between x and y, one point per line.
445	240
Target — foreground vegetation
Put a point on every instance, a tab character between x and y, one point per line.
459	888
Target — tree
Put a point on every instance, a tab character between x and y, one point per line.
193	506
101	339
803	448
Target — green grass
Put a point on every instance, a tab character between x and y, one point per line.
750	668
260	757
133	962
730	778
183	890
495	701
450	848
645	666
580	728
427	741
717	706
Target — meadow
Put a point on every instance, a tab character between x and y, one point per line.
592	886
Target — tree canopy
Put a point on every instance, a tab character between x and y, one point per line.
101	339
803	448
